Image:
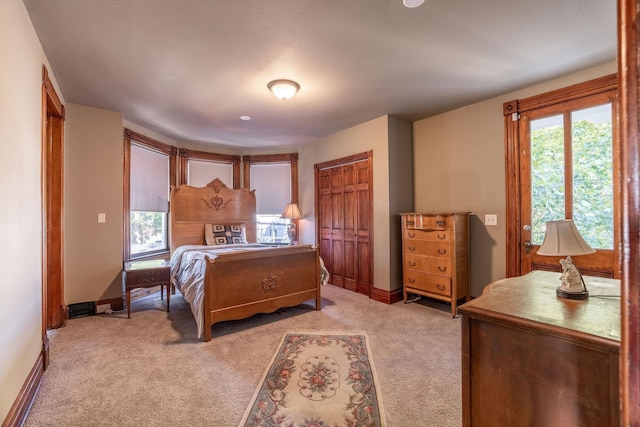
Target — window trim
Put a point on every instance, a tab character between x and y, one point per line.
185	155
152	144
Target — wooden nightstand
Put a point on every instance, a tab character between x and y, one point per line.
146	274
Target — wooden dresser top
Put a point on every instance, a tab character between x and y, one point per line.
531	300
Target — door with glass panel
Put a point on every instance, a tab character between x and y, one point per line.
569	170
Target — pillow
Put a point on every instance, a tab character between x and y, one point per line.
216	234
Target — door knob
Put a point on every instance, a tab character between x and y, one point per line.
527	247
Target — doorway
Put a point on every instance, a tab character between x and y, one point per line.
563	162
53	311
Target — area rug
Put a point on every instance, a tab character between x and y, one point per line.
321	380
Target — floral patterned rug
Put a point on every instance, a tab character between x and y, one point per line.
318	380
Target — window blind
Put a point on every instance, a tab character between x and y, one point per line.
272	182
149	186
203	172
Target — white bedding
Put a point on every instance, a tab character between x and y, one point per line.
188	267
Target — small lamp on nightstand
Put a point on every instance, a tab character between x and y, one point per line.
292	213
562	239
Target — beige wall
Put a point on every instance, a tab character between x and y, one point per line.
459	166
93	184
21	59
373	135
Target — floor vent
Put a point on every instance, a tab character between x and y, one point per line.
82	309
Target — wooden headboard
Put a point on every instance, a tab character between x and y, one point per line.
193	207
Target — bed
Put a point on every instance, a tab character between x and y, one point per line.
231	277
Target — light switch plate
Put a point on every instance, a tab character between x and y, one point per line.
491	219
102	218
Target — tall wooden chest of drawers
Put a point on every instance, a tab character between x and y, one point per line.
435	256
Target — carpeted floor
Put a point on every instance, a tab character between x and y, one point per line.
151	370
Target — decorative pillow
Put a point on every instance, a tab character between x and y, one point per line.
217	234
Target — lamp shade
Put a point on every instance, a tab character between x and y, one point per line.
562	238
291	212
283	89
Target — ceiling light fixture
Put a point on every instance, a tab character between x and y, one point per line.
283	89
412	3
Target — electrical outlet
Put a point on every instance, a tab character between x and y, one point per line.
103	308
491	219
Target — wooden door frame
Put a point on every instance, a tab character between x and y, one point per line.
629	87
52	189
360	157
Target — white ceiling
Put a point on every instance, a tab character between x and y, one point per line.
190	68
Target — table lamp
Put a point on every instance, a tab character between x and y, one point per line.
562	238
291	212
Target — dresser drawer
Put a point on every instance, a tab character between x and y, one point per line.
440	266
428	248
136	278
432	235
440	285
427	221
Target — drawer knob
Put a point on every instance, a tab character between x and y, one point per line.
441	223
441	287
442	237
412	248
410	280
442	251
412	234
412	263
442	269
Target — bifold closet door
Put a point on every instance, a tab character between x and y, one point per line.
344	219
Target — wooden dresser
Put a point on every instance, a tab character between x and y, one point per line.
435	256
530	358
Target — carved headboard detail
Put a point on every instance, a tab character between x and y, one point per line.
193	207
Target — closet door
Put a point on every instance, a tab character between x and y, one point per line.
337	253
344	201
349	226
323	209
362	224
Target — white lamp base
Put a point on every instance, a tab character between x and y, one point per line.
291	233
572	286
571	295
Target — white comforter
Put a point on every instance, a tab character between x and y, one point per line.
188	267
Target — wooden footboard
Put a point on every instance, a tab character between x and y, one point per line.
241	284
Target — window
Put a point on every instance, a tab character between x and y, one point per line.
202	172
274	178
149	173
572	173
198	168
